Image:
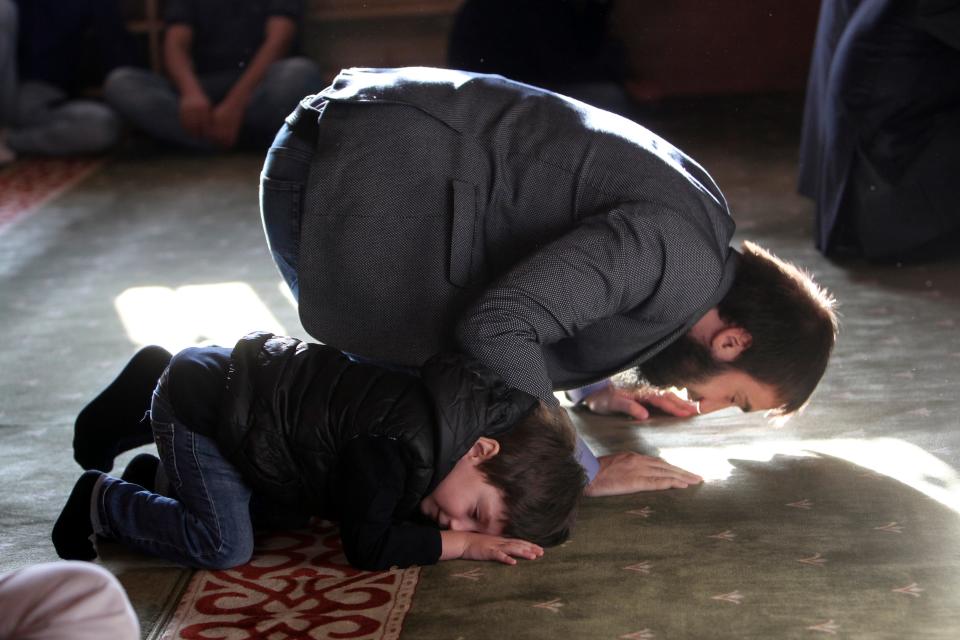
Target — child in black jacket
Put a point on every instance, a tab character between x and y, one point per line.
303	429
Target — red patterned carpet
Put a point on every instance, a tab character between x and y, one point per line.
298	585
28	183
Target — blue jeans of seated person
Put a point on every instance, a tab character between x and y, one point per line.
47	122
152	104
208	525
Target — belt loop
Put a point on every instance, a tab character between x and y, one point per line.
304	121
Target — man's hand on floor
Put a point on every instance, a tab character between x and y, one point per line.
634	402
630	472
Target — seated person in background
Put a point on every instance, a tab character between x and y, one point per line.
391	456
230	80
50	50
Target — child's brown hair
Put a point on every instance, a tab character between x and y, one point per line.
539	476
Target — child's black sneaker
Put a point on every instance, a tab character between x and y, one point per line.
73	529
114	421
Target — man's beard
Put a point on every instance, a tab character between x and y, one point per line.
683	362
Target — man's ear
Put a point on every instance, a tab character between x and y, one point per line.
483	449
727	344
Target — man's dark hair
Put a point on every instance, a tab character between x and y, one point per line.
539	477
791	320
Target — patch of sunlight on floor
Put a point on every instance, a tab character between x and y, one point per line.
191	315
287	294
891	457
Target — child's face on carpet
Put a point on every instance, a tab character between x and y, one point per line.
464	500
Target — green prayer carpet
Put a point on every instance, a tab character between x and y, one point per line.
842	522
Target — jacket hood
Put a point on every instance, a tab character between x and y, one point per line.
469	401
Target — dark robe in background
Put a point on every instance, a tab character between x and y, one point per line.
880	151
71	44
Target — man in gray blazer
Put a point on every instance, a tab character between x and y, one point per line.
418	210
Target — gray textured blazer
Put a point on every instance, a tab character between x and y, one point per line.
555	242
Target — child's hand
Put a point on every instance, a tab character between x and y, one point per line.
480	546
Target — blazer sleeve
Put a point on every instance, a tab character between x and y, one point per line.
606	265
373	476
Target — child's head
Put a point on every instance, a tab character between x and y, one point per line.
525	484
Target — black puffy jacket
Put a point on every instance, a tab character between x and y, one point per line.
292	408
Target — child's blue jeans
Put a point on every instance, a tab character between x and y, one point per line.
207	526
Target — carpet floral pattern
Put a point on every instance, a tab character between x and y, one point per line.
298	585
